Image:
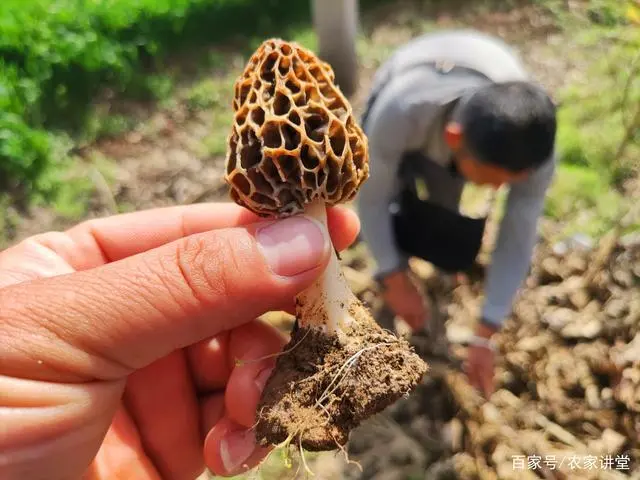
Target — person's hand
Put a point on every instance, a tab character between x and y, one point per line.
119	340
480	363
405	300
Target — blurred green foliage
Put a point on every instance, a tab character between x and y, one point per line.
599	121
55	55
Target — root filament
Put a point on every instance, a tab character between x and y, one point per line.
240	363
346	365
302	457
313	399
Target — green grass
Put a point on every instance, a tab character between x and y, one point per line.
208	93
213	95
105	125
9	220
77	182
595	113
583	201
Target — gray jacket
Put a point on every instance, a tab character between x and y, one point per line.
409	114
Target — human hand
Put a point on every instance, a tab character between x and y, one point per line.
405	300
119	340
480	363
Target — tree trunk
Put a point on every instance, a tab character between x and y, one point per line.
336	25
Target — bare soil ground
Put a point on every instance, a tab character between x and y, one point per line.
568	379
568	373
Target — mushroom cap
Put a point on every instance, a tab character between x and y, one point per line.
294	138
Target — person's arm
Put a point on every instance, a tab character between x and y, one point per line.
391	132
387	131
514	248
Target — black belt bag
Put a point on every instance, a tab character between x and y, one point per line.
445	238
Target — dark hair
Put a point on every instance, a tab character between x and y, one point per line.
511	125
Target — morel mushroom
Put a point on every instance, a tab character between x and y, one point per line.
295	147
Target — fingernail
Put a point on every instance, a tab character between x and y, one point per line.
293	245
262	378
235	449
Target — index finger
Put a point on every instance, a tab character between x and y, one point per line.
120	236
99	241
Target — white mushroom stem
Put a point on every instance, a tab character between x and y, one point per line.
329	302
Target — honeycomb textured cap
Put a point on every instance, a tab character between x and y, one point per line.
294	137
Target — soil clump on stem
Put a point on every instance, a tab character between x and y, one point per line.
323	387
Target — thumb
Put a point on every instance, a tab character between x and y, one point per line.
104	323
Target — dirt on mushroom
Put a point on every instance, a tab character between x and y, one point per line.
296	147
322	389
